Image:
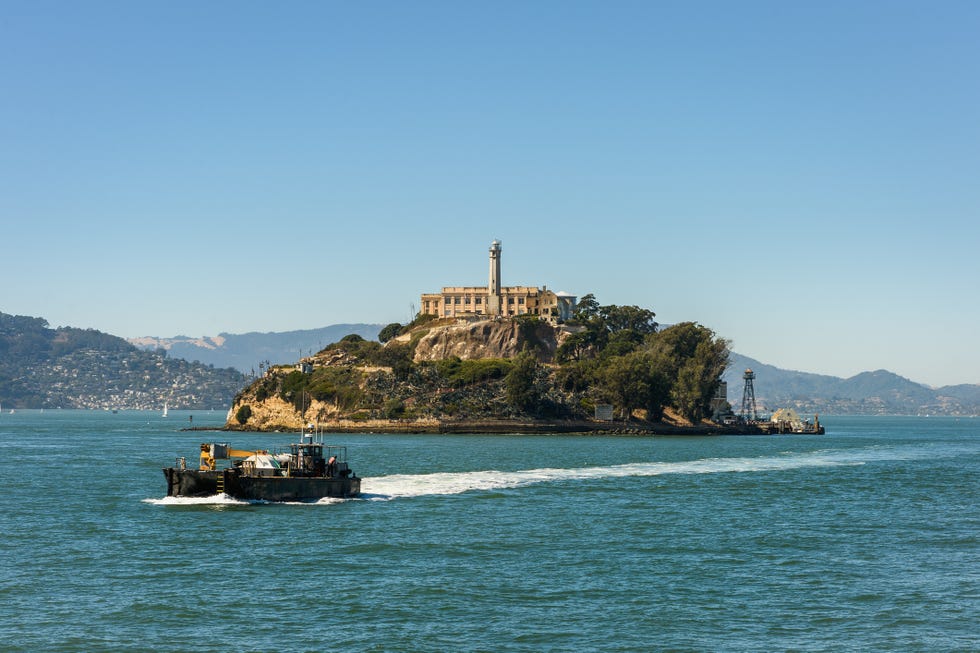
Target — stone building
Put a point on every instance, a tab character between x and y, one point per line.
496	300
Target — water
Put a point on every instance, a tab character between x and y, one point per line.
863	539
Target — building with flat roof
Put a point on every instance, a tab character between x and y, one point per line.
494	300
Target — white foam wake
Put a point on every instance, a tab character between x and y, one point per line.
214	500
405	485
225	500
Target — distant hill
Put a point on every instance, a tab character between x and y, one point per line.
246	351
67	367
874	393
84	368
869	393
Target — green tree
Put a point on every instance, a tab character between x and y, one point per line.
660	380
576	376
389	332
578	346
621	343
628	318
398	357
608	330
393	408
519	382
626	380
243	414
586	308
639	379
699	360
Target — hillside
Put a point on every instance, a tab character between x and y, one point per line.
869	393
440	374
66	367
250	352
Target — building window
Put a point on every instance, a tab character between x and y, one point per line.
520	300
510	302
455	300
478	301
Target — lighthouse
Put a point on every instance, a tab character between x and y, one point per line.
493	289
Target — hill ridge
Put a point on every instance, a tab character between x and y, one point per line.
67	367
876	392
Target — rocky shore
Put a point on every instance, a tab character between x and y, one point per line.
512	426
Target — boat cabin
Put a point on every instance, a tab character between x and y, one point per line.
310	457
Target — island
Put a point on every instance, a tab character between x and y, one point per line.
606	368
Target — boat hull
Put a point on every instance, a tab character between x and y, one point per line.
190	482
198	483
260	488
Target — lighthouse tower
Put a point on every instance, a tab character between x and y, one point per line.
493	290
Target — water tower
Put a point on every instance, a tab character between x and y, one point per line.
748	397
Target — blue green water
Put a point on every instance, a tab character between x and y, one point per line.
867	538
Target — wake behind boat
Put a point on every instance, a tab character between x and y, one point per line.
309	470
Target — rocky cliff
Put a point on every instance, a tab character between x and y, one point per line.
489	339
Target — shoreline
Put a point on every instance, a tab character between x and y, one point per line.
515	427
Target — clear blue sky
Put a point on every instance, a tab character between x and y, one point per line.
803	178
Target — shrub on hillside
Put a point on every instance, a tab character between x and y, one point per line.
243	414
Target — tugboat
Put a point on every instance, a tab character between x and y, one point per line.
309	470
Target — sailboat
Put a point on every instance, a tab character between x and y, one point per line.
164	409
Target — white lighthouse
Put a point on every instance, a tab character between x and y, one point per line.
493	290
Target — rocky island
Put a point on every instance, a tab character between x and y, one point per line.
606	368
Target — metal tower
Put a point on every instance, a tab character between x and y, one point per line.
748	397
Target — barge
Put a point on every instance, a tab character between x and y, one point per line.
307	471
785	420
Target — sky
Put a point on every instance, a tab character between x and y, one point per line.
802	178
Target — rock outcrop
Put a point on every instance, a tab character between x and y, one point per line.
488	339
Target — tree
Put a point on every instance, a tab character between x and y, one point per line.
393	408
628	318
699	360
621	343
684	337
399	358
519	382
609	330
389	332
639	379
243	414
586	308
577	346
660	366
626	379
576	376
